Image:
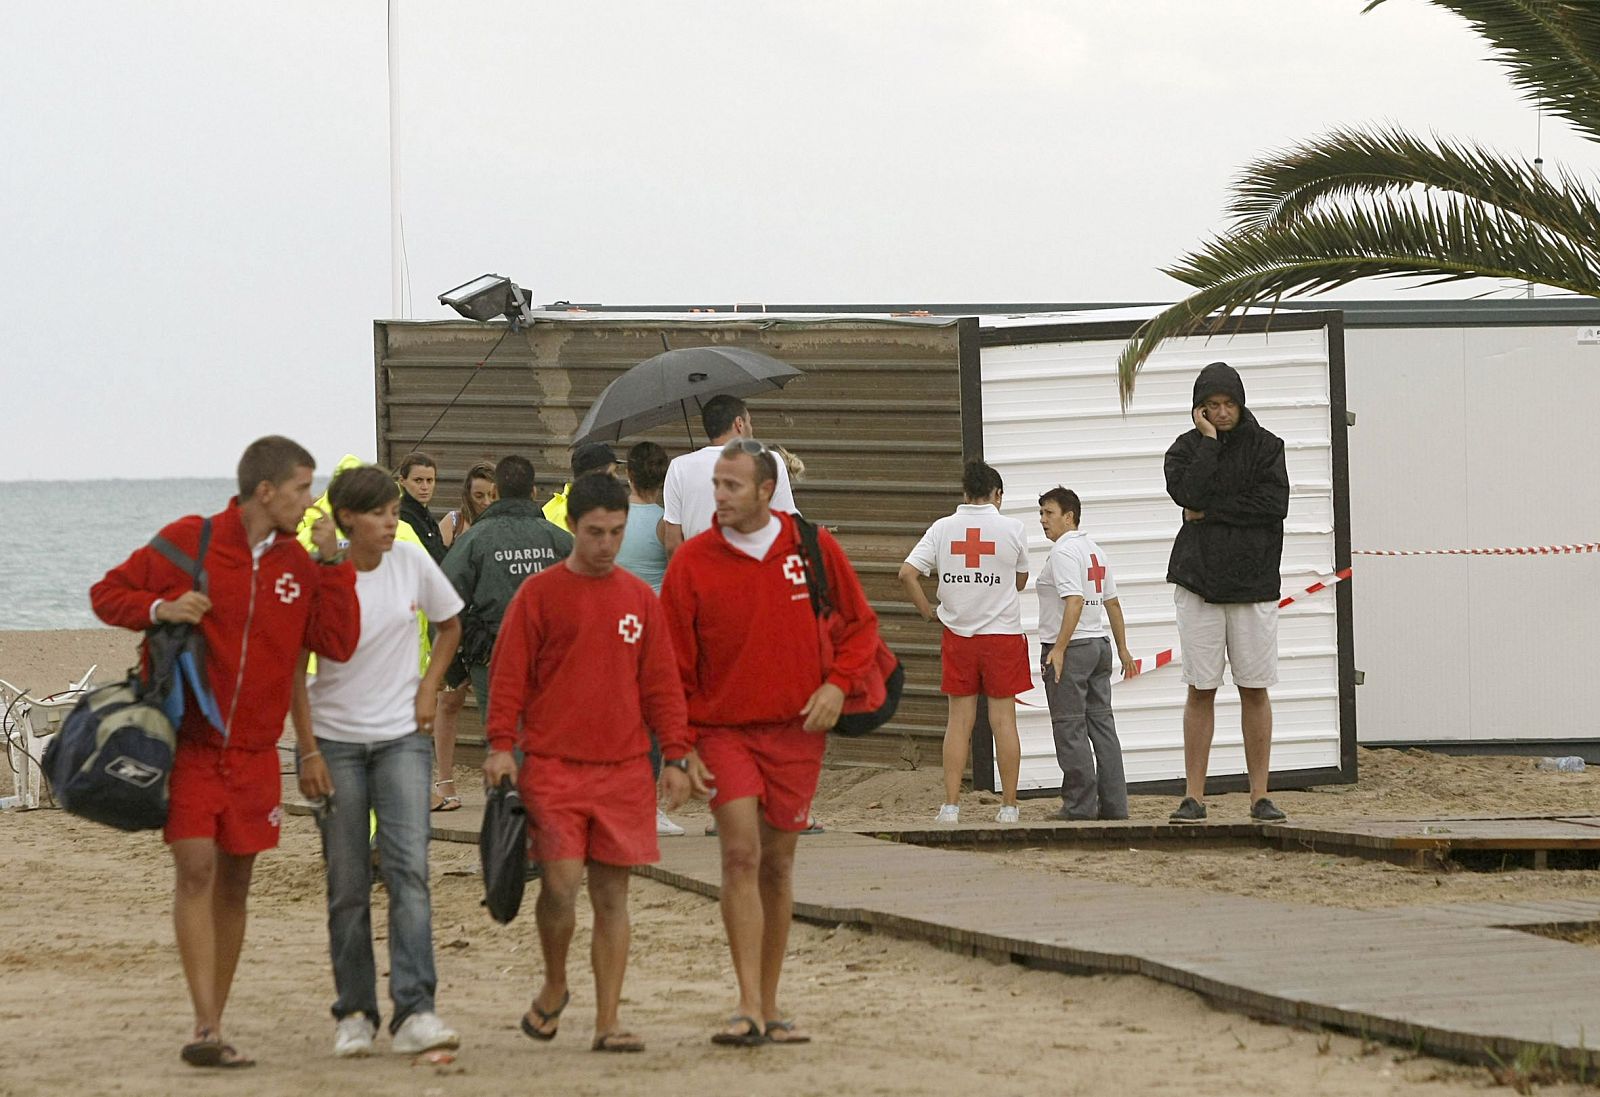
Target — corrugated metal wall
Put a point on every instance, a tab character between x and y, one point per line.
877	420
1051	415
1477	436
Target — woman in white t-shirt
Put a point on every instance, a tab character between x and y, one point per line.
364	729
980	557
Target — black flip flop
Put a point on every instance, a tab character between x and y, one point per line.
545	1019
211	1052
753	1036
786	1027
617	1041
203	1052
232	1060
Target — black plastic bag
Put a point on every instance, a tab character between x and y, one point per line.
503	850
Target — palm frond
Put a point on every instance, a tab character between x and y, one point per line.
1552	48
1354	163
1445	239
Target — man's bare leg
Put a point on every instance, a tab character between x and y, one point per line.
608	950
555	912
1256	717
1199	725
739	834
777	911
194	925
957	741
230	905
1007	746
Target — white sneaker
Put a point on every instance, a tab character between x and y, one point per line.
1008	813
948	813
666	827
423	1032
353	1038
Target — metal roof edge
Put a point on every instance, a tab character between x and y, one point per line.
1393	313
1459	313
686	319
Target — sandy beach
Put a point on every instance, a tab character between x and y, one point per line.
96	995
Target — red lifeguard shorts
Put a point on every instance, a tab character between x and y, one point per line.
995	665
778	764
591	811
231	796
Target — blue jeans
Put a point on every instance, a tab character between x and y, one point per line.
392	779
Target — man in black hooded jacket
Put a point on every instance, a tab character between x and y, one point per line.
1229	476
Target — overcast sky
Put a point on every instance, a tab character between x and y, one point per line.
196	195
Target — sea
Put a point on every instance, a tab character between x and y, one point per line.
58	537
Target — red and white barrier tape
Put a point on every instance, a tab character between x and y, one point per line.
1532	550
1169	656
1322	584
1162	658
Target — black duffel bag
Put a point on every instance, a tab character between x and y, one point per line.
112	759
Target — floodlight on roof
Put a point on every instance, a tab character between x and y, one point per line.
488	297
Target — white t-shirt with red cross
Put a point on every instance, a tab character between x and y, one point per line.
1076	565
978	553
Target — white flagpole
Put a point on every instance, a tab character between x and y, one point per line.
396	255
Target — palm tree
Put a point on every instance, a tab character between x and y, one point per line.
1381	203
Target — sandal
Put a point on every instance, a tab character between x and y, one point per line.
752	1036
617	1041
209	1051
204	1051
445	803
231	1058
790	1035
545	1018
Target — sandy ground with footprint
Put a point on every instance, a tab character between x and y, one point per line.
95	1001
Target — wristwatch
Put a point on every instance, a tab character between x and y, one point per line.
677	763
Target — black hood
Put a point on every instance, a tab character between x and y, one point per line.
1219	377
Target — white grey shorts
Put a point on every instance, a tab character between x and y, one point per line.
1244	635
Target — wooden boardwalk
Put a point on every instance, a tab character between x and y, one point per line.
1454	986
1523	840
1452	980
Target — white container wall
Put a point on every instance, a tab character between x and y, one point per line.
1051	416
1479	436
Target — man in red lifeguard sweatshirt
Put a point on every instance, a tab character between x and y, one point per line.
760	705
583	668
265	599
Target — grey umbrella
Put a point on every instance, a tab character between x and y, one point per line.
661	389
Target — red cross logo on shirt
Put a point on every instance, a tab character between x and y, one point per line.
974	548
286	588
1097	572
794	569
630	628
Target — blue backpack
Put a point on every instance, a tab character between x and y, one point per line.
112	759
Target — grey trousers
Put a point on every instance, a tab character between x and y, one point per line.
1092	784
